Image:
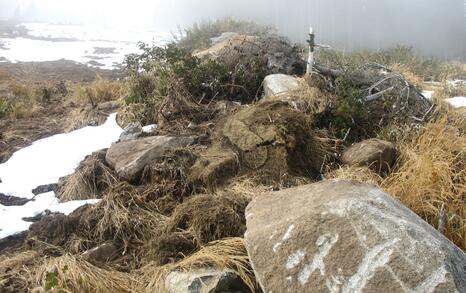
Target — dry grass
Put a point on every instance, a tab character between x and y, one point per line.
100	90
90	178
125	217
15	271
361	174
72	274
408	73
224	254
210	217
431	176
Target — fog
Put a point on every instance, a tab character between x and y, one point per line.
432	27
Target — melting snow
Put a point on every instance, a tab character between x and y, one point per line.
44	162
457	102
428	94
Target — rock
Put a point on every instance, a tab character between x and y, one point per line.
106	106
276	84
44	188
345	236
378	154
102	253
132	131
129	158
205	281
150	128
8	200
192	126
279	56
12	242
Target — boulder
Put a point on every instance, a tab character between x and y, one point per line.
279	56
102	253
107	106
45	188
378	154
132	131
205	281
276	84
129	158
345	236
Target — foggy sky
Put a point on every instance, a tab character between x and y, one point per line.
433	27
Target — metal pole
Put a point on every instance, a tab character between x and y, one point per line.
310	60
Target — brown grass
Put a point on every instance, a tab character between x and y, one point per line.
431	175
15	271
100	90
72	274
210	217
361	174
224	254
89	180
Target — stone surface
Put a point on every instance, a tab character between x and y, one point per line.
276	84
110	105
378	154
345	236
132	131
279	56
8	200
130	157
44	188
102	253
205	281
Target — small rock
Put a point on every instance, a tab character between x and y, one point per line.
129	158
205	281
132	131
8	200
378	154
106	106
345	236
102	253
276	84
192	126
44	188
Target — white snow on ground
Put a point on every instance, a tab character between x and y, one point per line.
428	94
457	102
80	45
44	162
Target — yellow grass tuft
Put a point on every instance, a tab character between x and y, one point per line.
72	274
361	174
430	176
223	254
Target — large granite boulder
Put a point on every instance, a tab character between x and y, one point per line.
377	154
278	55
205	281
130	157
345	236
276	84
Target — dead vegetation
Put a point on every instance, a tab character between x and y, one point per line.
223	254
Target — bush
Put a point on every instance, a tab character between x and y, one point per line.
401	59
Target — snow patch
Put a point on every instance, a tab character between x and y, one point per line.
44	162
295	259
457	102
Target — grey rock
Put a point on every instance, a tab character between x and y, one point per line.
129	158
378	154
8	200
205	281
345	236
102	253
106	106
44	188
276	84
132	131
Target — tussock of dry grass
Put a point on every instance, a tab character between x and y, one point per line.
88	181
100	90
361	174
210	217
15	271
72	274
224	254
124	216
431	174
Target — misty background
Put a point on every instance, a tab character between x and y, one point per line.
432	27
